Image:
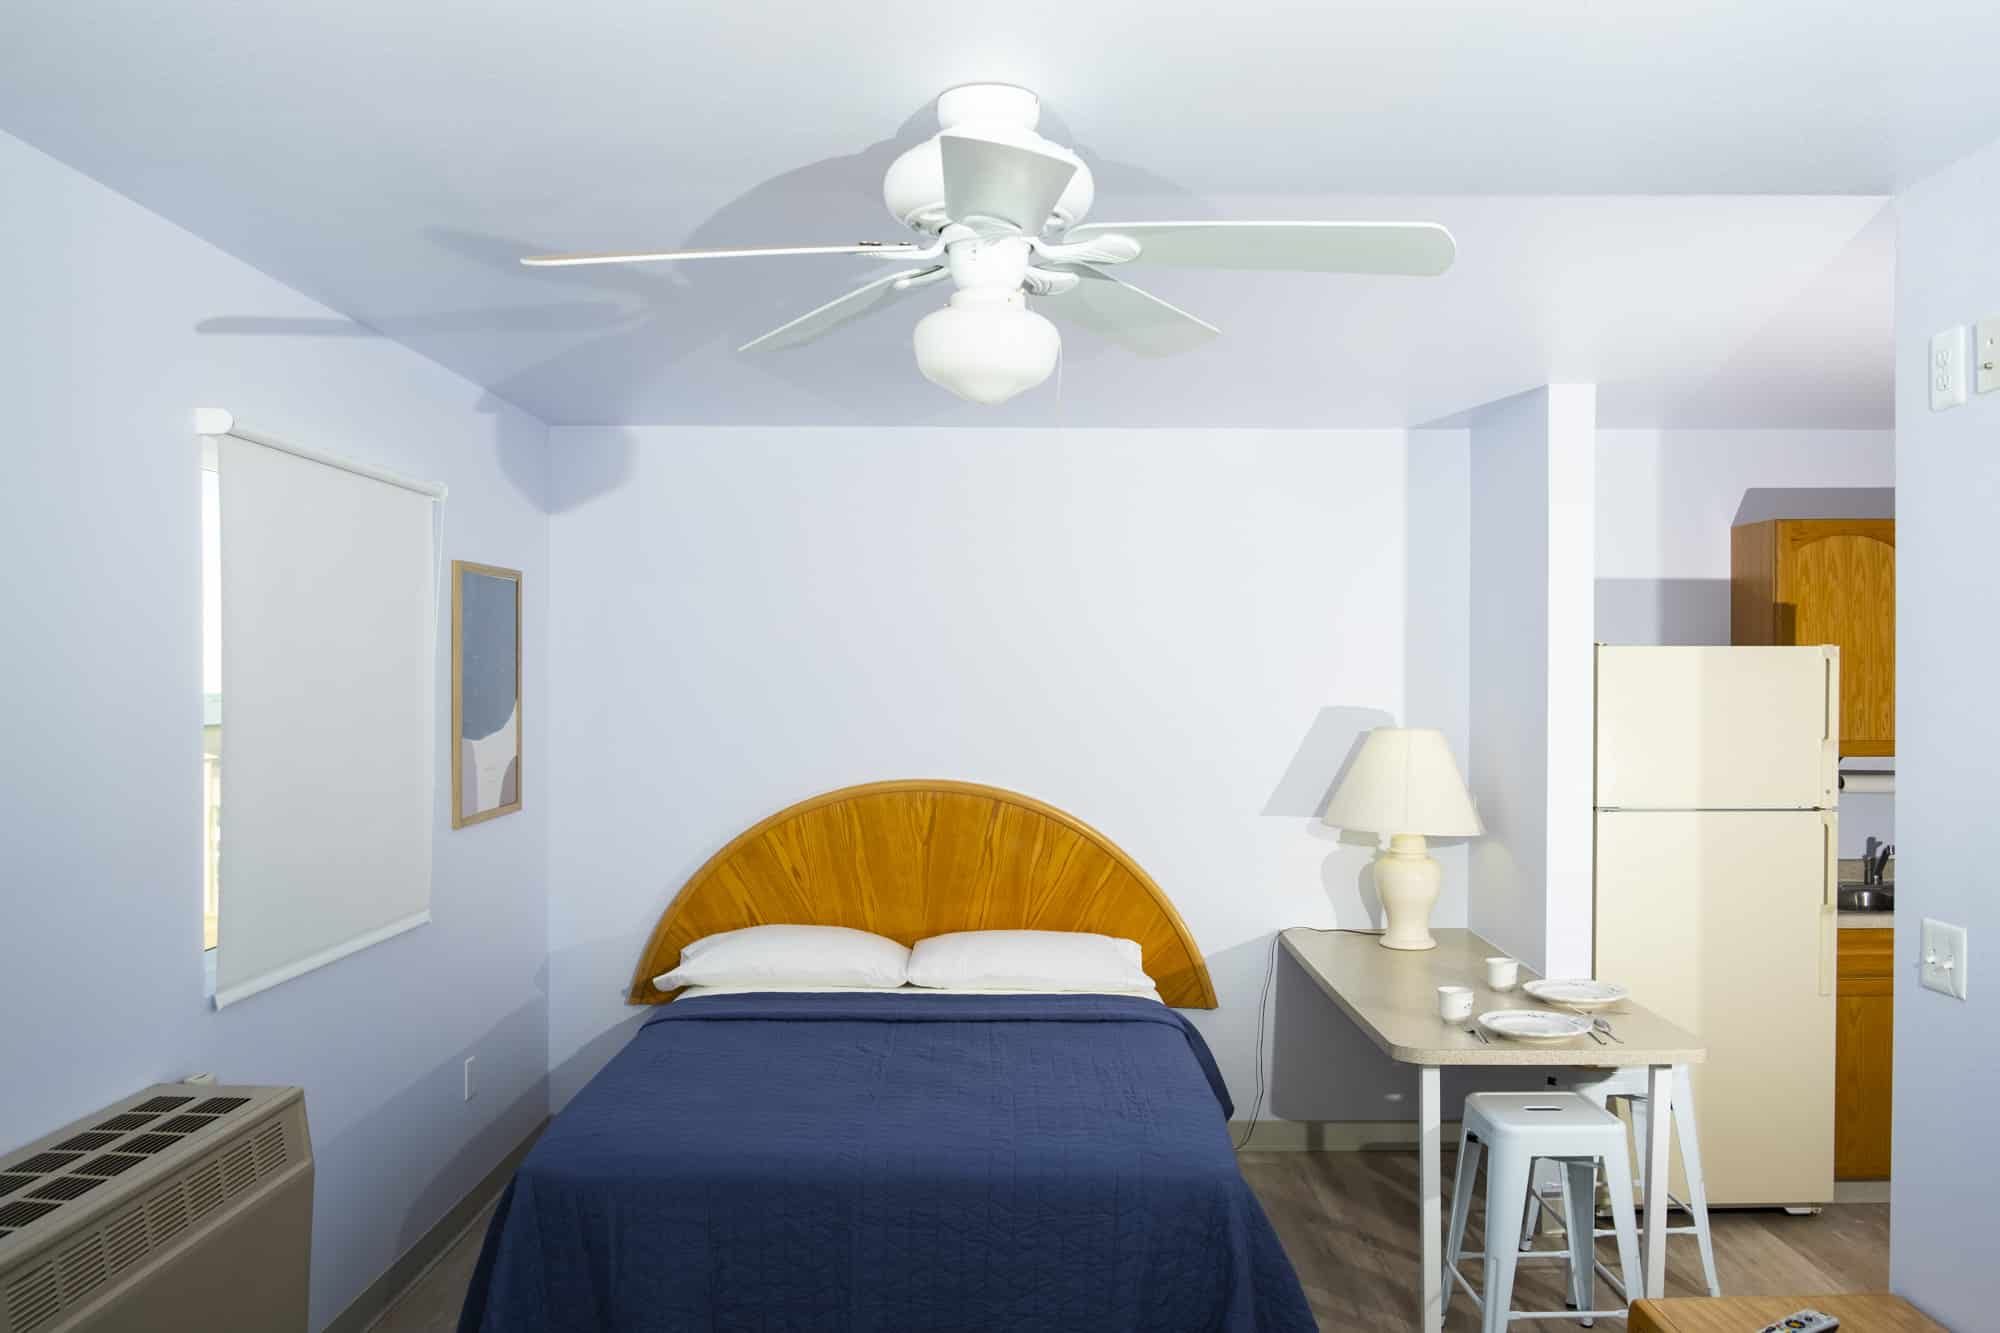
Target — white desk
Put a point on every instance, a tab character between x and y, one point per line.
1392	996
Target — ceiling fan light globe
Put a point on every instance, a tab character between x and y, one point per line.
986	348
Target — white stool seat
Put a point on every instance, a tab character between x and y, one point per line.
1513	1129
1603	1087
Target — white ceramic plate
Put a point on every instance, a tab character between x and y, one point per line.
1580	993
1533	1025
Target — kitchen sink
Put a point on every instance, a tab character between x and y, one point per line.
1867	898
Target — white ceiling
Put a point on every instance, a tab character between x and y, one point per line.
392	159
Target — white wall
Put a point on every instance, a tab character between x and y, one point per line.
1531	721
1666	500
100	795
1179	636
1947	730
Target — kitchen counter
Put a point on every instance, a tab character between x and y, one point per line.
1867	920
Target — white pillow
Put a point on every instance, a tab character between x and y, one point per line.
789	956
1028	960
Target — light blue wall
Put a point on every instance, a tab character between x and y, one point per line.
1531	703
1946	1174
1178	635
100	948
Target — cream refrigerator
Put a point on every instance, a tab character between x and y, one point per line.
1716	878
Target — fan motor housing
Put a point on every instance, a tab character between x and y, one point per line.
913	187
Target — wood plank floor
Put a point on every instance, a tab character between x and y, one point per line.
1348	1220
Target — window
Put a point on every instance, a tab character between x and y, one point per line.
323	621
211	700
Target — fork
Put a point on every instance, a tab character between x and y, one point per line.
1475	1032
1604	1026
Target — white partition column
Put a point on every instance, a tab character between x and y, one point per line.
1533	532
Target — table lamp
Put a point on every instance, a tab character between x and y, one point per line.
1406	784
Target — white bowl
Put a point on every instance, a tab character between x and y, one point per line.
1535	1026
1578	993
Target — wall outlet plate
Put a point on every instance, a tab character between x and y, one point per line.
1947	368
1943	958
1986	355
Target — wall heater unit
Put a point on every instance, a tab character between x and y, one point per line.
183	1207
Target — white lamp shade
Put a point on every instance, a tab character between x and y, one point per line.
1405	781
986	347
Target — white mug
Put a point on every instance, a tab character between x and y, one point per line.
1454	1002
1502	973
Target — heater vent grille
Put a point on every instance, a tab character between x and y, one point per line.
271	1153
166	1214
203	1189
85	1215
82	1267
33	1299
110	1164
125	1240
158	1104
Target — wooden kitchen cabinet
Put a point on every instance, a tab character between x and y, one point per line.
1825	580
1863	1052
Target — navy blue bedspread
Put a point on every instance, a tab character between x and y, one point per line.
891	1164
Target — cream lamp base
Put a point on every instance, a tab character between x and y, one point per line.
1407	877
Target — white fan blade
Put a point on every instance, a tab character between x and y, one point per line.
1420	249
841	309
1126	315
889	249
983	179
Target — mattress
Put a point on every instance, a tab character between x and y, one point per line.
891	1163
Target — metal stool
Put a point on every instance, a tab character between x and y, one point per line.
1629	1086
1514	1129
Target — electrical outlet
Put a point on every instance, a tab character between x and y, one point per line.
1947	369
470	1086
1986	354
1944	958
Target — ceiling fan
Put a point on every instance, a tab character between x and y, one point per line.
1001	213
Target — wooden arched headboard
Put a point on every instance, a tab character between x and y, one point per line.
917	858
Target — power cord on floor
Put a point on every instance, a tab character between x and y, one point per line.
1264	1002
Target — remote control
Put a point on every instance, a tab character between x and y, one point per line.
1805	1321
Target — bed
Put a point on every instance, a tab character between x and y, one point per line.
899	1162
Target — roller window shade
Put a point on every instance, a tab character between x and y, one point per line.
329	634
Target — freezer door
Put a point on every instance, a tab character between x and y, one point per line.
1717	728
1722	921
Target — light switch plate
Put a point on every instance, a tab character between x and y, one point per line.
1947	368
1986	354
1943	958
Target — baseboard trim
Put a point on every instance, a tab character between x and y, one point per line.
1861	1191
1335	1135
364	1310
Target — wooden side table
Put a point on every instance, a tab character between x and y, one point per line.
1872	1312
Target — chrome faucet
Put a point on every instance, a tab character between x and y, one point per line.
1875	860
